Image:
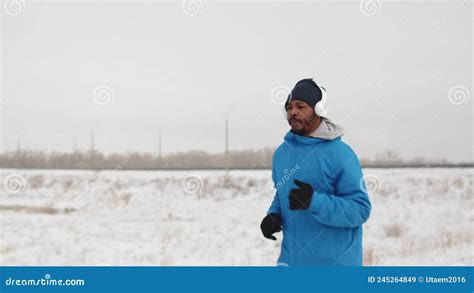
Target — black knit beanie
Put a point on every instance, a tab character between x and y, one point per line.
307	91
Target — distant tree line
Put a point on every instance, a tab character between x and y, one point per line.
246	159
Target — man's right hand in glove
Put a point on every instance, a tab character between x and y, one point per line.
271	224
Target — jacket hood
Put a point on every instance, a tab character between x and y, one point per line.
327	130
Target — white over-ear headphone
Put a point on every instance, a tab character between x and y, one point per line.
321	107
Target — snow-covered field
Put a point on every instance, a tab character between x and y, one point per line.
419	217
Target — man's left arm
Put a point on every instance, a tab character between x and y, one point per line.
350	205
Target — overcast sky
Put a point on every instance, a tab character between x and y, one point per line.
398	75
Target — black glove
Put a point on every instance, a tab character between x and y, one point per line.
271	224
300	198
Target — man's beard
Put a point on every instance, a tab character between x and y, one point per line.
306	124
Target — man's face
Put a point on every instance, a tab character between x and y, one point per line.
300	116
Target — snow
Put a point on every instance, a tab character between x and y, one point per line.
56	217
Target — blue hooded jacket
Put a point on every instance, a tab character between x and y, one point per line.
329	233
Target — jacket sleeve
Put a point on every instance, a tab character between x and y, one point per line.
275	207
350	205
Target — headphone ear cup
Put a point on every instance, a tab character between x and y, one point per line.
321	108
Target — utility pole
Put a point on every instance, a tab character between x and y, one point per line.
159	146
92	142
159	150
92	154
18	148
18	152
226	144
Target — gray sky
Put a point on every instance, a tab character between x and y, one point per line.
398	74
